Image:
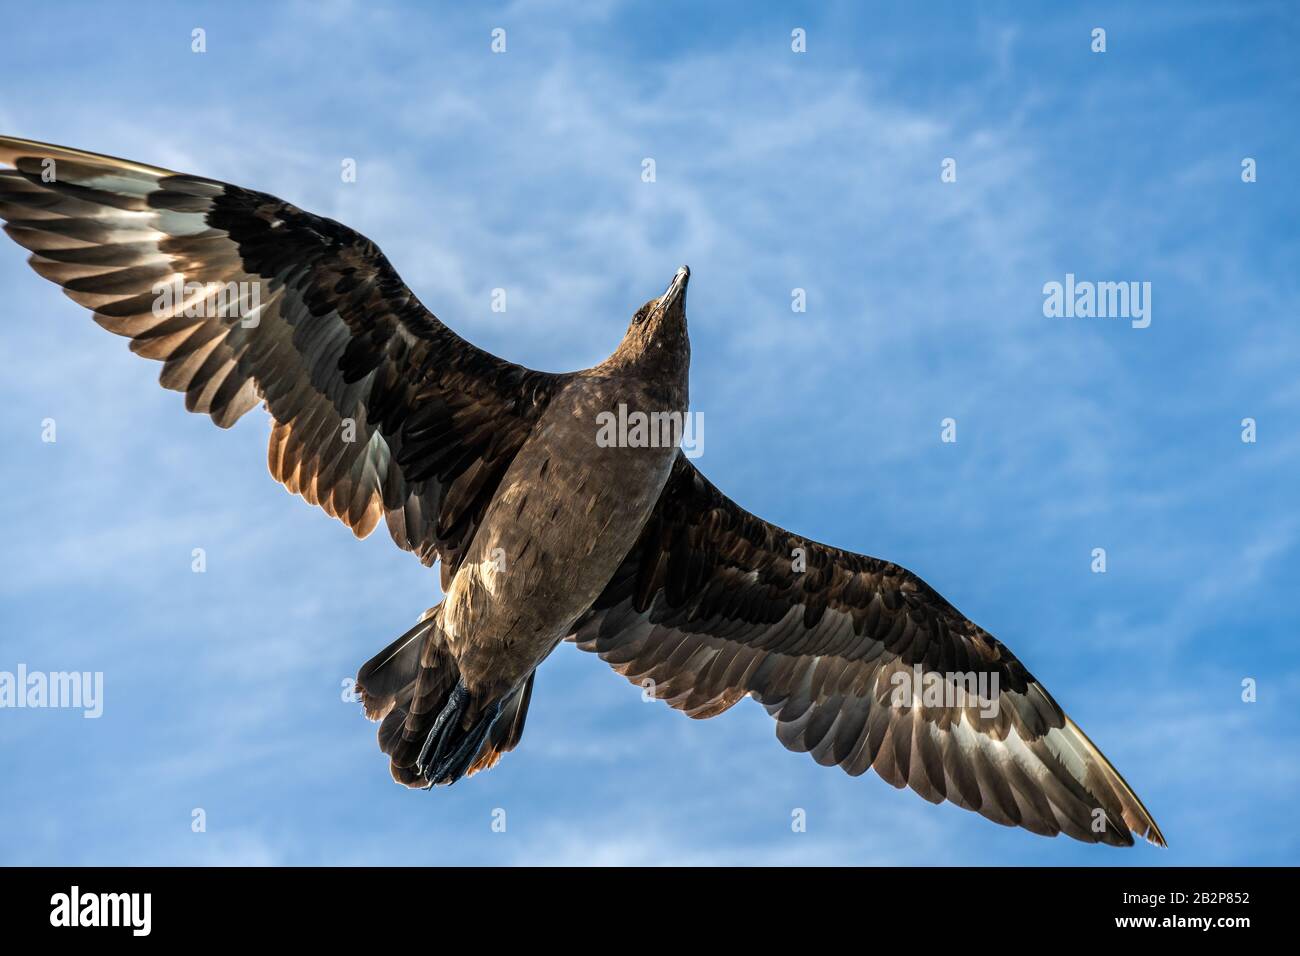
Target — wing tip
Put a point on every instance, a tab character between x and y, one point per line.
1153	835
1137	818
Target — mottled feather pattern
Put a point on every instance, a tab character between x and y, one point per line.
709	608
339	341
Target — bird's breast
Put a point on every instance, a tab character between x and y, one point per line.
567	512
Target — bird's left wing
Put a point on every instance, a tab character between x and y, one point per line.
860	662
380	411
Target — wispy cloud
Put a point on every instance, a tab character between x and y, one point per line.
773	172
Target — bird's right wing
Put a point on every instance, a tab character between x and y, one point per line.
380	411
860	662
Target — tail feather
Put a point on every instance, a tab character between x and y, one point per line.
384	677
408	684
508	729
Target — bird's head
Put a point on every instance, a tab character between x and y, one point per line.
658	328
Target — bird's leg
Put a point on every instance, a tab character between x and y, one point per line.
436	741
448	751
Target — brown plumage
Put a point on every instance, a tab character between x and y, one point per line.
544	531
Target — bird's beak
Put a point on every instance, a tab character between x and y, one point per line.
675	294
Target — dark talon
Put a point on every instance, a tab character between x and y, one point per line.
454	707
448	751
453	767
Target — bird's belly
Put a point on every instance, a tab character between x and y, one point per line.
567	512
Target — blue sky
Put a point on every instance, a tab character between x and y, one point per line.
775	171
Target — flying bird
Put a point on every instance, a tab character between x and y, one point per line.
382	414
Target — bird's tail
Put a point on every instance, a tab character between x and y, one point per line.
408	684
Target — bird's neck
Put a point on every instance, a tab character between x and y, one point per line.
660	356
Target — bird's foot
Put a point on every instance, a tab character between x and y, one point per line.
449	750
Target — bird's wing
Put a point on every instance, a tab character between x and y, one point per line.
860	662
380	411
